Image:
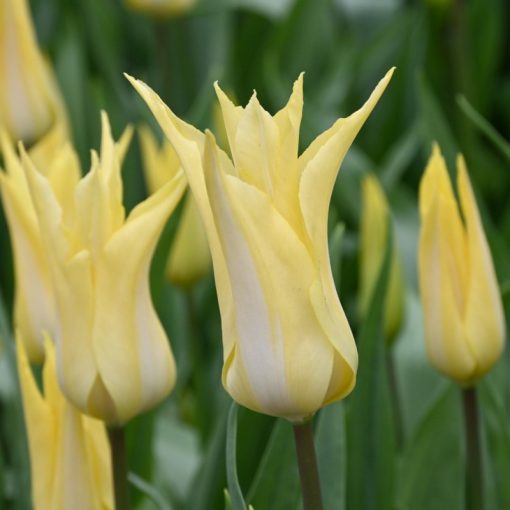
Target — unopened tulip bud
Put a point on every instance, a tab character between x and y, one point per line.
375	218
462	309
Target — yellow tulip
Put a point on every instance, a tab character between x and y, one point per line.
463	313
161	7
288	348
69	452
375	215
30	102
34	305
113	357
189	258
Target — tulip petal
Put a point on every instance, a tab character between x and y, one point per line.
189	258
134	343
278	336
442	273
484	317
188	142
41	425
320	164
73	290
34	307
160	165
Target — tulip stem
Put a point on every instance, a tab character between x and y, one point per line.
119	468
307	464
474	475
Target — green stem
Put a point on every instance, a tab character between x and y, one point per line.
474	475
119	468
395	396
307	464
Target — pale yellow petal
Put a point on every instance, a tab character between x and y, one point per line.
189	258
484	316
320	164
41	429
281	352
442	248
188	142
71	278
132	341
29	100
373	238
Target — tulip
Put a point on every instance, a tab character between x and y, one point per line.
375	217
288	348
34	304
463	313
113	357
189	258
69	452
30	103
161	7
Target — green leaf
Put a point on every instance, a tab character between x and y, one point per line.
484	126
497	433
371	441
236	495
435	124
431	472
149	490
331	446
206	491
276	484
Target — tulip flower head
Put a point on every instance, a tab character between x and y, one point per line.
463	313
189	258
113	357
34	305
30	102
375	218
288	348
69	452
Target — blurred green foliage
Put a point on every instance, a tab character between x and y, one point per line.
452	85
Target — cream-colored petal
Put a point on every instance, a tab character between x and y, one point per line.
188	142
375	218
373	238
320	164
71	279
231	114
189	258
442	249
41	430
283	354
132	340
34	307
159	164
484	316
29	99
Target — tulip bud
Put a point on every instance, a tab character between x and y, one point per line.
69	452
463	313
375	218
189	258
161	7
288	348
113	356
30	102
